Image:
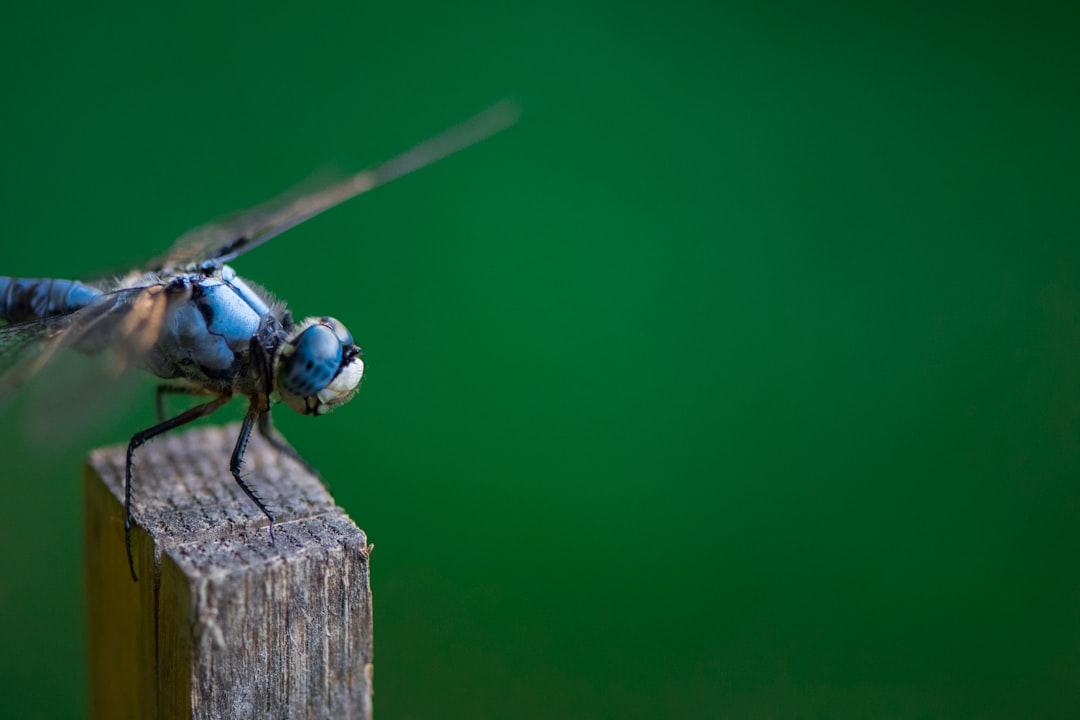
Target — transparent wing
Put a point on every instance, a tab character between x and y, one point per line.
21	344
128	321
224	239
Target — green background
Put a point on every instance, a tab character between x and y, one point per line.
741	379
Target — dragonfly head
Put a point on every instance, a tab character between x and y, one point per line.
318	367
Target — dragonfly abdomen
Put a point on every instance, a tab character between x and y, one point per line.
24	299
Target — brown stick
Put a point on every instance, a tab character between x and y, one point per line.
223	624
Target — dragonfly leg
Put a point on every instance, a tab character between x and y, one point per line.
238	460
141	437
266	429
166	389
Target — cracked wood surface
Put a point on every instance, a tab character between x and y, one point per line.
223	623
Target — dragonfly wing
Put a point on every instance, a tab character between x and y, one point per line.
234	235
23	344
127	320
237	232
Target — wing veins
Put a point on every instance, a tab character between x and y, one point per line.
231	236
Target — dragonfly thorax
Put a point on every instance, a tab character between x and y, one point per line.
318	367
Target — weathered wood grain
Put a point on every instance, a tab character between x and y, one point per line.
223	623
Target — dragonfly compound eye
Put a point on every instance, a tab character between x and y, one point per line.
319	368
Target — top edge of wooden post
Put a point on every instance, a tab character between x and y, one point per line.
183	492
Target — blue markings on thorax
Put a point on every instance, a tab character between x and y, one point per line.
246	293
207	335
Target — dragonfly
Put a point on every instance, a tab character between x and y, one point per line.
202	330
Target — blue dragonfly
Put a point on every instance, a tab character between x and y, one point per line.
191	321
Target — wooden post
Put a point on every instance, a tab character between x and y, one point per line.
222	623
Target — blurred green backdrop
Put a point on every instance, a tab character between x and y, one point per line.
739	380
